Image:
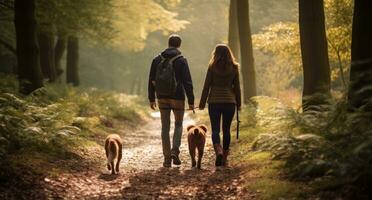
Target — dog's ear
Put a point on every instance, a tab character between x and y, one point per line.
189	127
204	127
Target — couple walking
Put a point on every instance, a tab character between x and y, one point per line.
170	79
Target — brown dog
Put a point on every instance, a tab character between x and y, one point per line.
196	139
113	147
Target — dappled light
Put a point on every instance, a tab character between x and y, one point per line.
186	99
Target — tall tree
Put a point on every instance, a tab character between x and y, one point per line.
360	91
314	51
29	72
247	62
72	65
90	19
59	51
233	37
47	60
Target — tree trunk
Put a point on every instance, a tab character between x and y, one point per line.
46	43
29	72
247	62
314	51
72	67
233	38
360	90
59	51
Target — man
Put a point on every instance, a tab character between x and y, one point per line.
170	79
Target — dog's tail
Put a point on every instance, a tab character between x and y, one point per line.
113	151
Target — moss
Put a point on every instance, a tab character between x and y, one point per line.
268	178
277	189
262	174
259	156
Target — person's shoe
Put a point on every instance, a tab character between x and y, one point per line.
176	159
167	163
224	158
219	154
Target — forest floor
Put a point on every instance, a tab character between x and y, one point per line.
51	147
54	150
142	175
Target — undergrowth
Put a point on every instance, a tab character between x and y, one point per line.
56	119
328	149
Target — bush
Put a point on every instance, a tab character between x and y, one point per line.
333	144
54	118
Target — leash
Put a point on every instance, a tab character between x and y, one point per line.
193	110
237	123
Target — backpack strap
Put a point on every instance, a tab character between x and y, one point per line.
161	57
174	58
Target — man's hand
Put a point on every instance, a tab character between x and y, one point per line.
191	107
239	108
201	108
153	105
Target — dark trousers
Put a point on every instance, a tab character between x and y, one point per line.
166	106
226	111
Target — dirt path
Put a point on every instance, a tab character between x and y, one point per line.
143	177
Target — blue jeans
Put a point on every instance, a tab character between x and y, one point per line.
226	111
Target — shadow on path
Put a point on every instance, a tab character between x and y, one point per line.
183	184
142	177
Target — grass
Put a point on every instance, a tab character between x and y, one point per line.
263	174
260	171
325	153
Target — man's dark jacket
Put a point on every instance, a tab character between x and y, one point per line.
182	73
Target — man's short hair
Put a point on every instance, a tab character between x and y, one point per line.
174	41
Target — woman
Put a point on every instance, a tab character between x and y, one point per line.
222	88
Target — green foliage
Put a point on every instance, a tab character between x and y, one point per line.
279	44
264	13
339	16
346	153
122	24
330	147
87	18
8	83
121	69
135	19
56	118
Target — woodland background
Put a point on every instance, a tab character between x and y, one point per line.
74	71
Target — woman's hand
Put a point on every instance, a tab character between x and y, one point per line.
201	108
153	105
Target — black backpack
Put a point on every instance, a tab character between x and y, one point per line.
165	79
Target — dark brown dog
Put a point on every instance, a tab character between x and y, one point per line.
196	139
113	147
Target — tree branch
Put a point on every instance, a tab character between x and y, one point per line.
333	46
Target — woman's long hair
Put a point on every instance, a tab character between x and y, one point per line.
222	59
